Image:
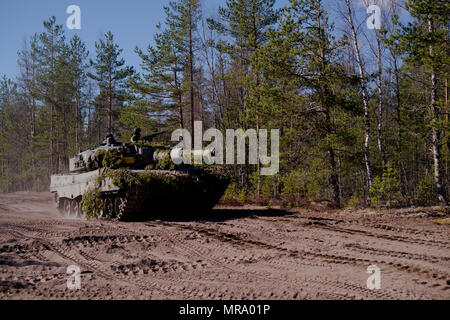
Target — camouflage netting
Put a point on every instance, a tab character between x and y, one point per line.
92	202
109	158
105	159
162	193
112	159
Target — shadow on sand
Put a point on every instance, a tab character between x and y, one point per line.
224	214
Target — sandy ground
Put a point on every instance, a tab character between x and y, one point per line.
235	253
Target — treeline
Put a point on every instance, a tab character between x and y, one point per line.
363	114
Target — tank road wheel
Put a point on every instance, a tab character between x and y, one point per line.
73	208
66	205
79	211
59	204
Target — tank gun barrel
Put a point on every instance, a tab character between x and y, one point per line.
150	137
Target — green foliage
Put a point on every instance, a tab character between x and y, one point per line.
415	37
309	183
92	203
110	74
165	163
234	193
122	178
426	191
292	186
353	202
110	158
144	144
268	186
386	189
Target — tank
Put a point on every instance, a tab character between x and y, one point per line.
135	182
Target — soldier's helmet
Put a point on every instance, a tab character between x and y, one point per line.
110	139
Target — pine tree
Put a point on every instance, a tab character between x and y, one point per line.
245	22
182	17
78	56
160	88
46	51
303	57
424	41
27	84
386	189
110	74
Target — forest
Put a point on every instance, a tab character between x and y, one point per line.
362	113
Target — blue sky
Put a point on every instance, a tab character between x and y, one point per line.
132	23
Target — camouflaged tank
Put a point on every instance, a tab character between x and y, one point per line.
133	182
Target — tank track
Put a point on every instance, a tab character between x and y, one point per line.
130	206
69	208
125	206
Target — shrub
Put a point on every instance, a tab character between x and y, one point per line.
426	191
354	202
234	195
385	190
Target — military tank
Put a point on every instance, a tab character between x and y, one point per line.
133	182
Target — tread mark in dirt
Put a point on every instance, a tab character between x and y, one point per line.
235	239
265	277
64	252
322	223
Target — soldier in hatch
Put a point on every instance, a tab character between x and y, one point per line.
109	140
136	135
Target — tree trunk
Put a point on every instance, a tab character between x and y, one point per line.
446	134
403	176
380	102
109	104
53	168
191	73
257	82
436	149
77	108
180	105
365	101
334	179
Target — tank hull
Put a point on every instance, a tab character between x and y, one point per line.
135	195
74	185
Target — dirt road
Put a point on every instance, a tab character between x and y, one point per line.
235	253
